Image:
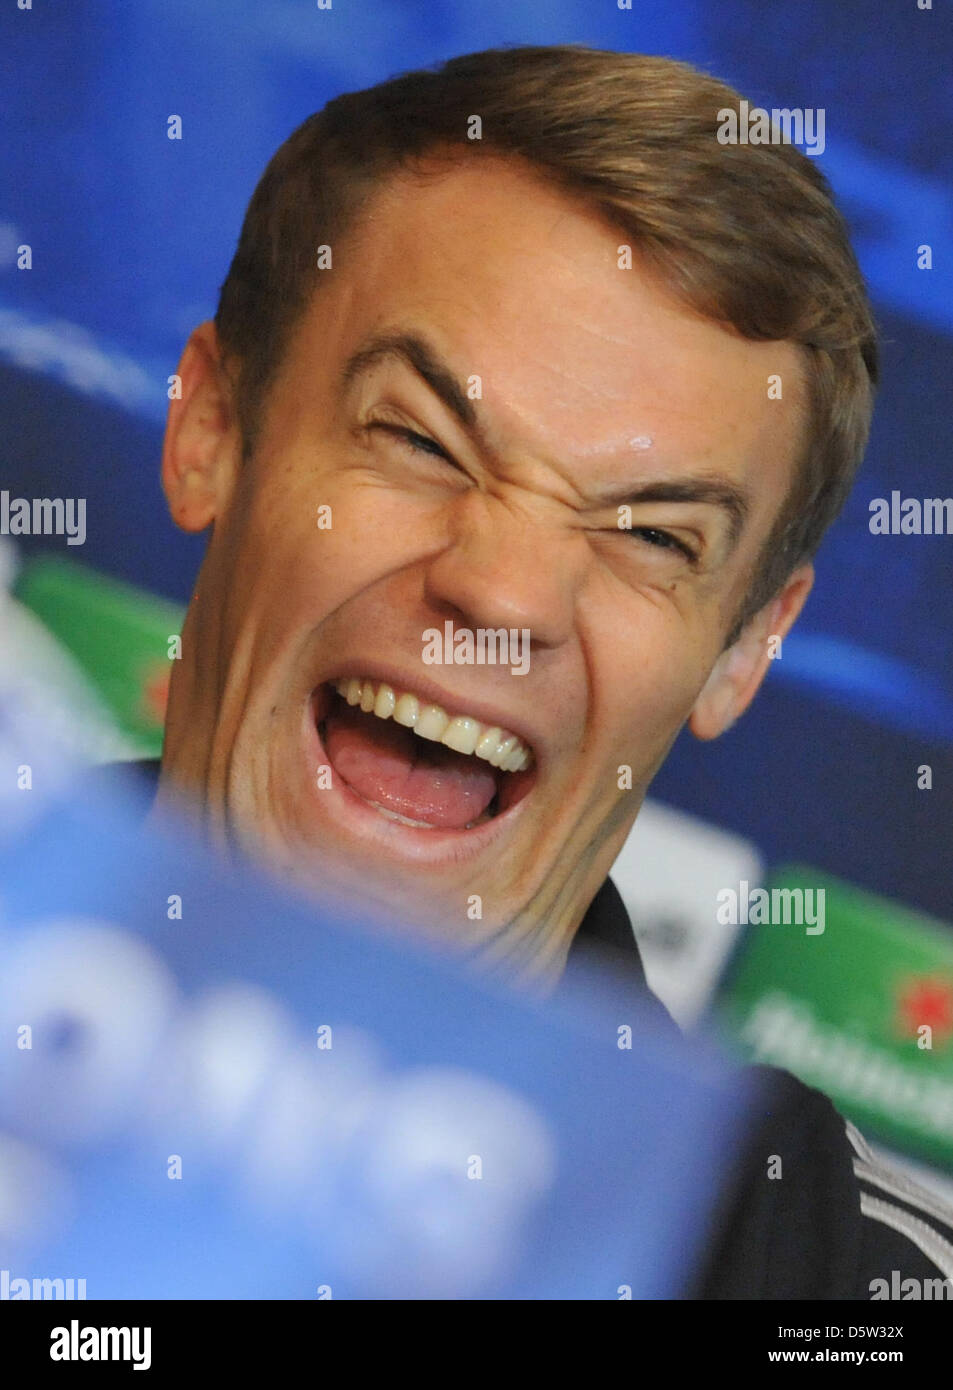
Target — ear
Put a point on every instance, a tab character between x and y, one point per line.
202	447
740	669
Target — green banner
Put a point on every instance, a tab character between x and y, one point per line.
852	993
119	636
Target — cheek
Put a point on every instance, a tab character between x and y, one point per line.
319	540
650	696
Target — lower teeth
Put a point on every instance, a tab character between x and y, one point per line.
404	820
488	814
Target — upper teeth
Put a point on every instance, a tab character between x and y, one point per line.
496	746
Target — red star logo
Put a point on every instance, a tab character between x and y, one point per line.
926	999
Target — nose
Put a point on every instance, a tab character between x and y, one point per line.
510	566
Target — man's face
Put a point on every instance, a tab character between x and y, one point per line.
378	505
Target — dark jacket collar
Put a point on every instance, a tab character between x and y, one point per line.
607	924
605	936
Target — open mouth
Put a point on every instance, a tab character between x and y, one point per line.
416	762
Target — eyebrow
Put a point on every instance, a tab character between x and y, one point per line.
414	350
708	490
418	354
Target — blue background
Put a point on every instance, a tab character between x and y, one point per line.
132	235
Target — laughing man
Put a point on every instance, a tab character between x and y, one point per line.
521	345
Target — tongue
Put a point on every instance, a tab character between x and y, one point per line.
388	764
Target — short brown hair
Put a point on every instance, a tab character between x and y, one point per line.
746	235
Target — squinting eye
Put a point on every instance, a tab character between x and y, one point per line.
664	540
420	443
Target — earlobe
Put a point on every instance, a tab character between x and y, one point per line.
201	446
737	674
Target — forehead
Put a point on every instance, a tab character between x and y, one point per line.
582	362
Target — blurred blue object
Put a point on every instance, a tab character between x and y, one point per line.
209	1091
